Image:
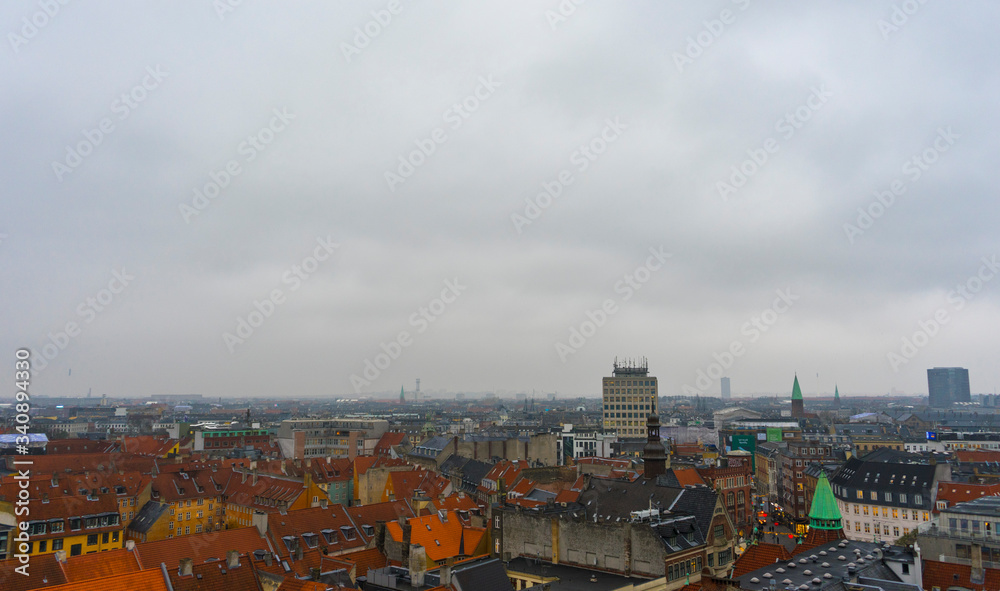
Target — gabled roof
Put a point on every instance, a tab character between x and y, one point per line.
688	477
961	492
758	556
329	529
146	580
217	576
147	445
441	539
370	558
201	547
100	564
372	514
42	567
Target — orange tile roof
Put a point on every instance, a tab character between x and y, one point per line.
688	477
946	575
201	547
759	556
146	580
441	539
404	482
567	496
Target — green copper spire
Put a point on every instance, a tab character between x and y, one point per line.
401	397
796	391
836	393
824	513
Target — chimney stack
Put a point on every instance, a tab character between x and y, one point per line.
130	545
314	573
267	559
445	574
418	565
232	559
61	556
186	567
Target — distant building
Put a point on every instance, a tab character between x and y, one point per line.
947	385
630	396
798	408
726	394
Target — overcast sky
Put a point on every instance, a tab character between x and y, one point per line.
498	195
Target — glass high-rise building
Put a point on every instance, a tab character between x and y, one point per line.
947	385
726	394
629	397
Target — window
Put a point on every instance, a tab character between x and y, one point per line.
868	528
888	497
895	531
926	516
43	546
92	540
902	497
874	496
114	536
187	530
917	499
719	532
866	510
860	494
57	544
104	538
895	514
857	526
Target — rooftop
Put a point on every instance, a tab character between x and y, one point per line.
571	578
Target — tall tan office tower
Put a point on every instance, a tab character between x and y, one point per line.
629	397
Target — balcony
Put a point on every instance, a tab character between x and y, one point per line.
934	530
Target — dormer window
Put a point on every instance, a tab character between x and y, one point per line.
311	539
330	536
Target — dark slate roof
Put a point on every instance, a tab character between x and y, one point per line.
616	499
884	477
484	575
985	506
680	533
874	584
572	578
872	567
147	516
697	501
453	463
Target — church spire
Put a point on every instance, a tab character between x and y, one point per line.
798	405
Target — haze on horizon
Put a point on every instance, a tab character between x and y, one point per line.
525	194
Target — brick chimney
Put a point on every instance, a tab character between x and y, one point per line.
232	559
186	568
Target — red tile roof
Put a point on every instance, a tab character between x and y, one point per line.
946	575
365	559
567	496
340	534
147	445
201	547
216	576
456	501
372	514
974	457
960	492
43	571
100	564
389	440
759	556
147	580
80	446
